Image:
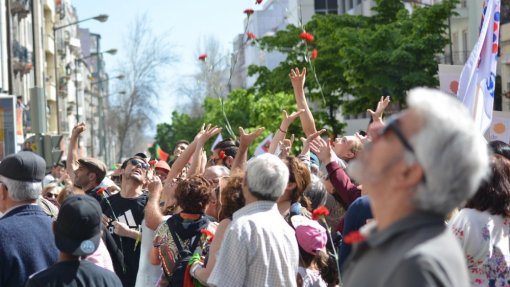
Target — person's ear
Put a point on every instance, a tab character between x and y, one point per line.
411	176
229	161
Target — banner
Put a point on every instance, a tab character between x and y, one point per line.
263	147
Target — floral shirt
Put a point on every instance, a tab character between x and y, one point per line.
485	240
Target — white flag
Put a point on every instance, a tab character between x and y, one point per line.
216	141
477	84
263	147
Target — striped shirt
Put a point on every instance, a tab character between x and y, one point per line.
259	249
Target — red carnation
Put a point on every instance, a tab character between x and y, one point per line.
251	36
152	162
258	1
353	237
202	57
221	154
306	37
248	11
320	212
100	192
314	54
207	235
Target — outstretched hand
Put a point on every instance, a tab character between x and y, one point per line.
246	139
322	149
207	133
78	129
297	78
310	138
287	120
381	106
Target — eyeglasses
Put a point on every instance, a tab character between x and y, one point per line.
393	125
51	195
136	162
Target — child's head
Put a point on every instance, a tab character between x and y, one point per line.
310	235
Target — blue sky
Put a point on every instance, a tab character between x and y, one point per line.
185	20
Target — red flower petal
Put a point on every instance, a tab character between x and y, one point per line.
248	11
354	237
221	154
314	54
202	57
100	192
153	162
251	36
258	1
319	212
306	37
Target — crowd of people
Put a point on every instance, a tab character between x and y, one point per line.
420	199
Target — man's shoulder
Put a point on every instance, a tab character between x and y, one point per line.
69	271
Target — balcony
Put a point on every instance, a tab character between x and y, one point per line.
22	59
21	8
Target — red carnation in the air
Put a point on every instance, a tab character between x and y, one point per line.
248	11
258	1
314	54
202	57
320	212
251	36
152	162
306	37
221	154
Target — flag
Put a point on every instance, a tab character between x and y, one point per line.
160	154
477	84
263	147
218	139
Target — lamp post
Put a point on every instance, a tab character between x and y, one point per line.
101	18
449	26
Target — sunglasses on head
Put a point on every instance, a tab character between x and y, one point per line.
136	162
393	125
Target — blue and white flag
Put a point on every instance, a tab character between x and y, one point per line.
477	84
218	139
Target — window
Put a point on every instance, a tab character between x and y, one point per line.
326	6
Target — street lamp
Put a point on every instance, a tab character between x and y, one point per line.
449	26
118	77
101	18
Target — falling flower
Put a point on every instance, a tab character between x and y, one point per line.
314	54
353	237
251	36
221	154
152	162
306	37
248	11
258	1
202	57
320	212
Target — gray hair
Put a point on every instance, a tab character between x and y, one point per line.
449	148
316	191
22	190
267	177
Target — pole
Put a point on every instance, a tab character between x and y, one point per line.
450	37
76	63
57	93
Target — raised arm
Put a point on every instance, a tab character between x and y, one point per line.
245	140
282	131
153	214
297	79
72	152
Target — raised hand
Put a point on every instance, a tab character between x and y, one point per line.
246	139
322	149
381	106
154	185
287	120
310	138
297	78
78	129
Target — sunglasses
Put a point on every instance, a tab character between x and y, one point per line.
393	125
51	195
136	162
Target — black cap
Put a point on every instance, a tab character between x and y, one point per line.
141	155
78	225
23	166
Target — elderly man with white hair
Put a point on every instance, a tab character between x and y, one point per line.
423	163
26	240
259	247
